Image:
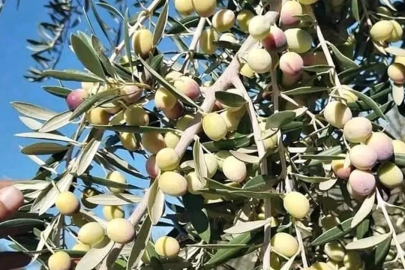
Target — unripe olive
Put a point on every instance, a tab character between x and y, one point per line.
349	96
298	40
363	157
91	234
131	93
153	142
117	177
135	115
352	260
232	120
234	169
320	266
288	81
67	203
383	10
399	147
194	185
87	193
205	8
75	98
81	247
381	31
164	99
329	221
247	71
289	10
172	76
142	42
244	17
183	123
98	116
259	60
271	142
396	72
171	139
221	156
88	86
113	211
227	37
335	251
362	182
60	260
390	175
167	159
167	247
291	63
382	145
175	112
211	163
173	184
188	86
400	59
223	20
207	39
184	7
296	204
357	130
79	219
128	141
285	244
275	262
337	114
214	126
259	27
339	169
276	40
308	2
397	32
120	231
151	168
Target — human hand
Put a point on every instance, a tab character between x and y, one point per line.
11	199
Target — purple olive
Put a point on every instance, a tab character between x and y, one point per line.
75	98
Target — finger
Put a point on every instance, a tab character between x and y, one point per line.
5	183
11	199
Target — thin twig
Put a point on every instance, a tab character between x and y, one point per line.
381	204
194	42
329	59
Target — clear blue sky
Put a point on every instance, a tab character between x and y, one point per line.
16	26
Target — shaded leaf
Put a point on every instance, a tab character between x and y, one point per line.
369	242
374	106
280	119
230	99
87	56
141	242
89	102
33	111
72	75
346	62
364	210
194	205
156	202
161	24
56	122
57	91
334	233
43	149
242	227
106	182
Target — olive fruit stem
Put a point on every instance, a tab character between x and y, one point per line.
194	42
381	204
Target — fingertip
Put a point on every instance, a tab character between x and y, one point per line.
12	198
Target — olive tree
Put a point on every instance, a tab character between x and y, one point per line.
265	133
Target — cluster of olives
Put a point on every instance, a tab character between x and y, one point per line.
368	149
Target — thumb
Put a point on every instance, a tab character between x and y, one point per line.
11	199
